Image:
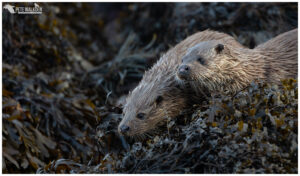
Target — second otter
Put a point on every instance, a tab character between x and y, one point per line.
217	65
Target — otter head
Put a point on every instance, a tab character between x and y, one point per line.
208	64
149	105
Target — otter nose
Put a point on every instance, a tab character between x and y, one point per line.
124	128
184	69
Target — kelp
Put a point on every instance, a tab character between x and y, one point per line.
253	132
66	72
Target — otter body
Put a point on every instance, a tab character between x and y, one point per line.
282	56
158	94
219	65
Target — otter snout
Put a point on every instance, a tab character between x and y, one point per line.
123	129
183	71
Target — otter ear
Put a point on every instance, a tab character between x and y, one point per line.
219	48
158	100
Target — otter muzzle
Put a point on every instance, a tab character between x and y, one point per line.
123	129
183	72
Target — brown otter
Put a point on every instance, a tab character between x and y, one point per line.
158	95
217	65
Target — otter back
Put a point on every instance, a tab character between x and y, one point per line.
282	56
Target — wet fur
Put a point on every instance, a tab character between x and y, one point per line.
236	67
161	80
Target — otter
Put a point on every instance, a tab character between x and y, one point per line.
219	66
158	95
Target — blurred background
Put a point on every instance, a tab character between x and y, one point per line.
64	71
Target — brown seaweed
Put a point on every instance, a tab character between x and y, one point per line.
66	72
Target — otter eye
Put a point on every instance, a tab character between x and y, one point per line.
219	48
201	60
159	99
140	116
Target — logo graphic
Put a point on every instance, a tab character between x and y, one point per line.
24	10
10	8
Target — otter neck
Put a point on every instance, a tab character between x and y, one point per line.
250	66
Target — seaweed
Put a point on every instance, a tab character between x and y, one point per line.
66	72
